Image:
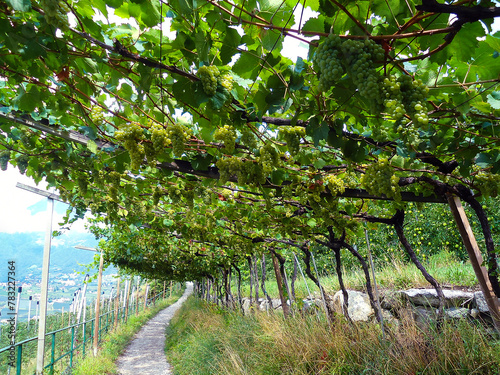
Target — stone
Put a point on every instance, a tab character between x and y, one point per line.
424	315
428	297
359	308
392	301
480	302
457	313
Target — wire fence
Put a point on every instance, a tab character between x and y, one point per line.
65	345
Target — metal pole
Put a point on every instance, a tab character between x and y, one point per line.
375	284
19	291
98	305
44	289
321	290
29	311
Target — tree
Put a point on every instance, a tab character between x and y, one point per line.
198	141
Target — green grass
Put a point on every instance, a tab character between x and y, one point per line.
114	343
203	340
395	274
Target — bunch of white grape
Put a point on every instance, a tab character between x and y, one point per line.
4	159
269	158
131	134
360	57
292	136
55	13
97	115
246	171
227	135
329	61
379	179
335	184
248	139
178	135
226	81
159	137
487	183
22	163
209	77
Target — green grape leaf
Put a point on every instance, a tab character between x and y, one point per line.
21	5
494	99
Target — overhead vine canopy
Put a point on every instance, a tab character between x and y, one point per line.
187	129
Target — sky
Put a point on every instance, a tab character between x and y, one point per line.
22	211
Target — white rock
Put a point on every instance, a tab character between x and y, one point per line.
428	297
359	308
480	302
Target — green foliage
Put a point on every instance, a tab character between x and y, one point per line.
198	142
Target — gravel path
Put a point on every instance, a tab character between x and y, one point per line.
145	354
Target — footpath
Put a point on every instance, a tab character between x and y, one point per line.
145	355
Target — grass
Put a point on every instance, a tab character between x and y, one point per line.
203	340
444	267
114	343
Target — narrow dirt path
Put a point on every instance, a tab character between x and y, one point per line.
145	354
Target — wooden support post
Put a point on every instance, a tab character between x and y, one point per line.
475	258
117	302
279	280
127	298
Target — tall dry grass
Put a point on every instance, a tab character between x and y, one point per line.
207	340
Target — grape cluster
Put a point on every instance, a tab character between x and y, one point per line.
379	179
178	135
114	179
174	193
226	81
227	135
209	77
96	115
335	184
292	136
159	137
334	57
82	185
157	194
400	97
4	159
248	139
56	13
360	57
246	171
22	163
130	134
329	61
487	183
414	94
26	138
269	158
150	152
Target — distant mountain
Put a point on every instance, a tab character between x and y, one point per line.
26	249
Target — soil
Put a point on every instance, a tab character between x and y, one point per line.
145	355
